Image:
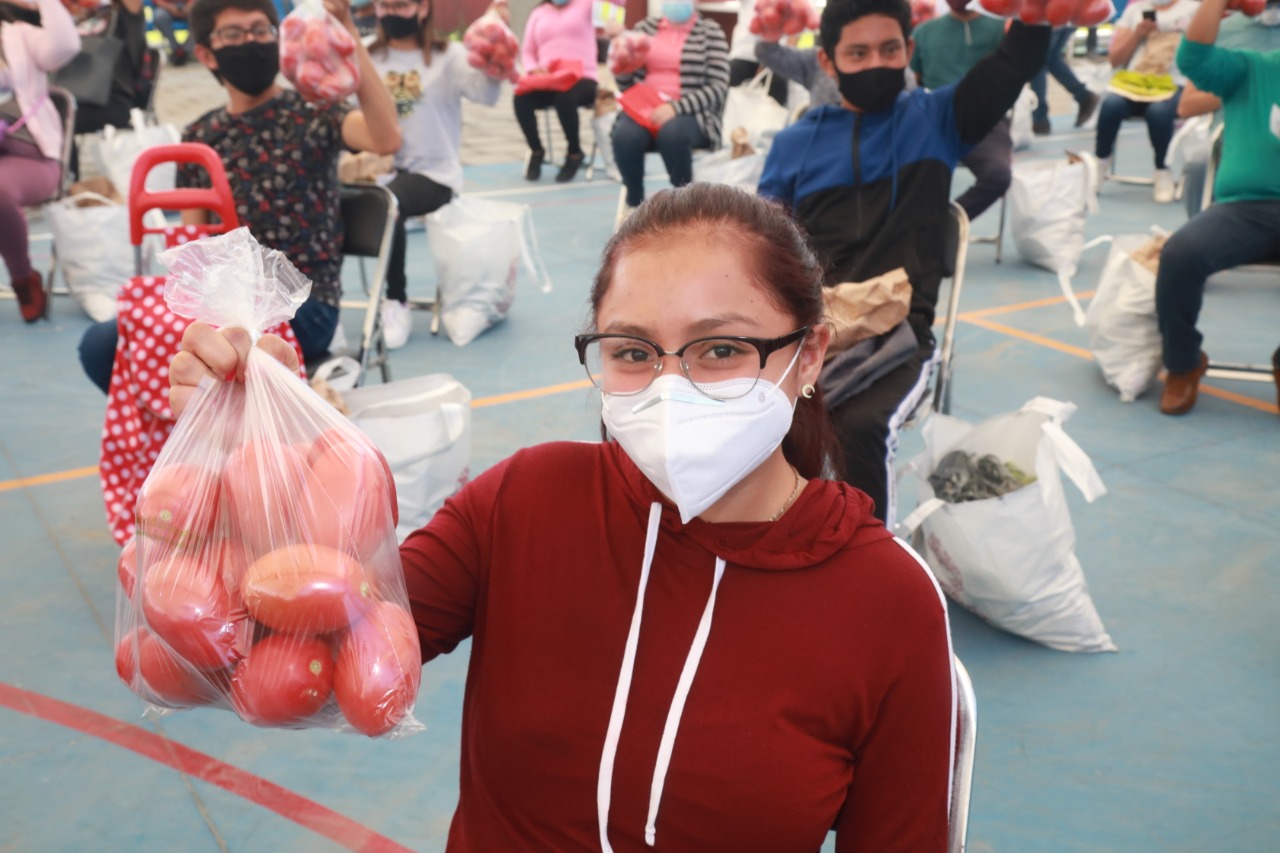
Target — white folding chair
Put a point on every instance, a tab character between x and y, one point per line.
65	103
962	769
368	224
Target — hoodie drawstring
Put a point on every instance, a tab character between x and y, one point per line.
604	783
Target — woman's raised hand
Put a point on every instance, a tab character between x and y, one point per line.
218	354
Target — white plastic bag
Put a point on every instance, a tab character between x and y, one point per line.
120	148
94	252
423	427
1048	203
1123	332
1011	559
1191	144
722	167
749	106
478	245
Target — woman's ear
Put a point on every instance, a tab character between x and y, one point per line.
813	354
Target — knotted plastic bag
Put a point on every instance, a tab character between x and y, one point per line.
264	575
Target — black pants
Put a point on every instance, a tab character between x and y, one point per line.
417	195
868	425
742	70
566	104
991	162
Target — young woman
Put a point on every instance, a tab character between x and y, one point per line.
31	150
681	634
557	29
428	77
688	63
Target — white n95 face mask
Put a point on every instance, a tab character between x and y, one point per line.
693	447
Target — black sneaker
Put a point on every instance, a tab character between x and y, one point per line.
1087	106
533	165
179	58
1041	127
570	168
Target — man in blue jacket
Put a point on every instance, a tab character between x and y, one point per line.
870	180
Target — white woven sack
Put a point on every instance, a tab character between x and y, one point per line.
1123	331
1011	559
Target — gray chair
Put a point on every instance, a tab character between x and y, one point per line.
955	254
368	223
962	768
65	103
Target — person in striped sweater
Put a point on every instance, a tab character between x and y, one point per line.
688	64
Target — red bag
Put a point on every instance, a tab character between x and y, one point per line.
639	102
561	76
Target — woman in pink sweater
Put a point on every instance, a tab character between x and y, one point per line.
683	638
31	149
557	30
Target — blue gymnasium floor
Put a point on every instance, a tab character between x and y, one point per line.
1169	745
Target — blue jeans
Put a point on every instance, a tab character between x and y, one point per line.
1223	236
675	142
314	325
1056	64
1160	117
164	23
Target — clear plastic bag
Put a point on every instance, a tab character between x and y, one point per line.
1055	13
317	54
264	576
492	47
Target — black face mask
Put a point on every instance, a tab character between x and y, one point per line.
398	27
873	89
250	67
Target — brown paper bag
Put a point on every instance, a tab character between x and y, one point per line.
363	167
606	102
99	185
857	310
1148	254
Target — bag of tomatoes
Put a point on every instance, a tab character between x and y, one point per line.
317	54
264	575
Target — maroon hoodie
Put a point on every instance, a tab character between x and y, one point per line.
821	697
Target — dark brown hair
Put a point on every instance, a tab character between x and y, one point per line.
203	16
425	37
782	264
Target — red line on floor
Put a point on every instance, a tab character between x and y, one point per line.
288	804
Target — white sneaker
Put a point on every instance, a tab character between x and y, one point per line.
397	323
1164	189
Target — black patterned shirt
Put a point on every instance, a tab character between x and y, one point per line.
282	162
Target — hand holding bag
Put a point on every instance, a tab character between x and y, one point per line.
639	101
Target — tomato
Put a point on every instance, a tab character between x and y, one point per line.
1003	8
1092	13
350	498
1253	8
154	673
284	680
177	505
263	480
186	603
379	669
306	589
1058	12
127	566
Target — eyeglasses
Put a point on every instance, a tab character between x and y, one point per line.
625	364
234	35
400	8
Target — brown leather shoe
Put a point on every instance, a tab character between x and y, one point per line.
1180	389
31	296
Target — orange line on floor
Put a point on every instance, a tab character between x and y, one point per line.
1080	352
1021	306
45	479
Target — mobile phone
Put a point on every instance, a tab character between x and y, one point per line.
1149	14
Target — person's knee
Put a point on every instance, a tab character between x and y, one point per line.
1184	250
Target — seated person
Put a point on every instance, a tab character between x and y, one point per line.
1243	225
427	77
688	62
126	21
946	48
887	205
31	149
557	29
1237	32
164	14
1144	41
281	154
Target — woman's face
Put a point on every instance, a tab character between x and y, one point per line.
694	287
